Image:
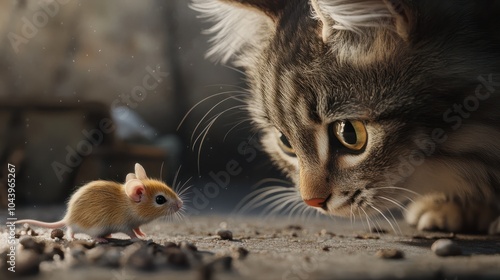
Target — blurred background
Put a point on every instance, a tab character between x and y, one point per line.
89	87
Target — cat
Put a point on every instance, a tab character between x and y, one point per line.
369	104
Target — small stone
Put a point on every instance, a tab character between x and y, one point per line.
177	257
294	227
95	254
225	234
445	248
188	246
366	236
294	234
224	263
326	248
393	254
324	232
56	233
28	263
378	230
138	257
31	244
112	258
85	243
78	252
239	252
53	250
169	244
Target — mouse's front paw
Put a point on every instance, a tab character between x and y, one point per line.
435	213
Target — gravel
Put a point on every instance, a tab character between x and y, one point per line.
445	248
393	254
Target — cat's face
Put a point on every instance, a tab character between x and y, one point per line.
357	119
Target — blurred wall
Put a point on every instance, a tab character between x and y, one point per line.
146	55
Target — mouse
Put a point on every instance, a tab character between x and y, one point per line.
100	208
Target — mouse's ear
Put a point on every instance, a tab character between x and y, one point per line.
140	173
129	177
135	190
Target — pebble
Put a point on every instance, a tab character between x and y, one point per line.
28	263
85	243
56	233
78	253
225	234
177	258
53	250
137	256
29	243
393	254
378	230
326	248
169	244
445	248
188	246
239	252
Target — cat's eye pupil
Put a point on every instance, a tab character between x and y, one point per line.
285	141
160	199
285	145
349	133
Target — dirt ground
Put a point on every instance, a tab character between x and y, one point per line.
272	248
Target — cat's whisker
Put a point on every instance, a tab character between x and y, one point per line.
279	204
280	209
401	189
258	194
206	130
272	198
235	69
206	115
235	126
209	123
204	100
395	220
254	199
367	218
384	216
393	202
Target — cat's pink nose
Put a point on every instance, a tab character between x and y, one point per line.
316	202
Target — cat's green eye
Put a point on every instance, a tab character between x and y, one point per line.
285	145
351	134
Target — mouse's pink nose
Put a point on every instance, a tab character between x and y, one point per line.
179	204
315	202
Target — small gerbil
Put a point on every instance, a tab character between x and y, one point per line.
101	208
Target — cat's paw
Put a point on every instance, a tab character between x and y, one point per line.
438	212
435	212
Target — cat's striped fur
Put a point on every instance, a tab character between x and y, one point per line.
422	77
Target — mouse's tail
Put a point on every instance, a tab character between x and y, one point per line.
58	224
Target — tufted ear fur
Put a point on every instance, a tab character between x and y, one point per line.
135	189
239	25
356	15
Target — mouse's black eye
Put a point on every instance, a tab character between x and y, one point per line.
161	199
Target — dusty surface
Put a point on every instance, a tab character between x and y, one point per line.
279	248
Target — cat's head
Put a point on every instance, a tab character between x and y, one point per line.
356	98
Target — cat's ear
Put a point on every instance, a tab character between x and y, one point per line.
239	25
356	15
